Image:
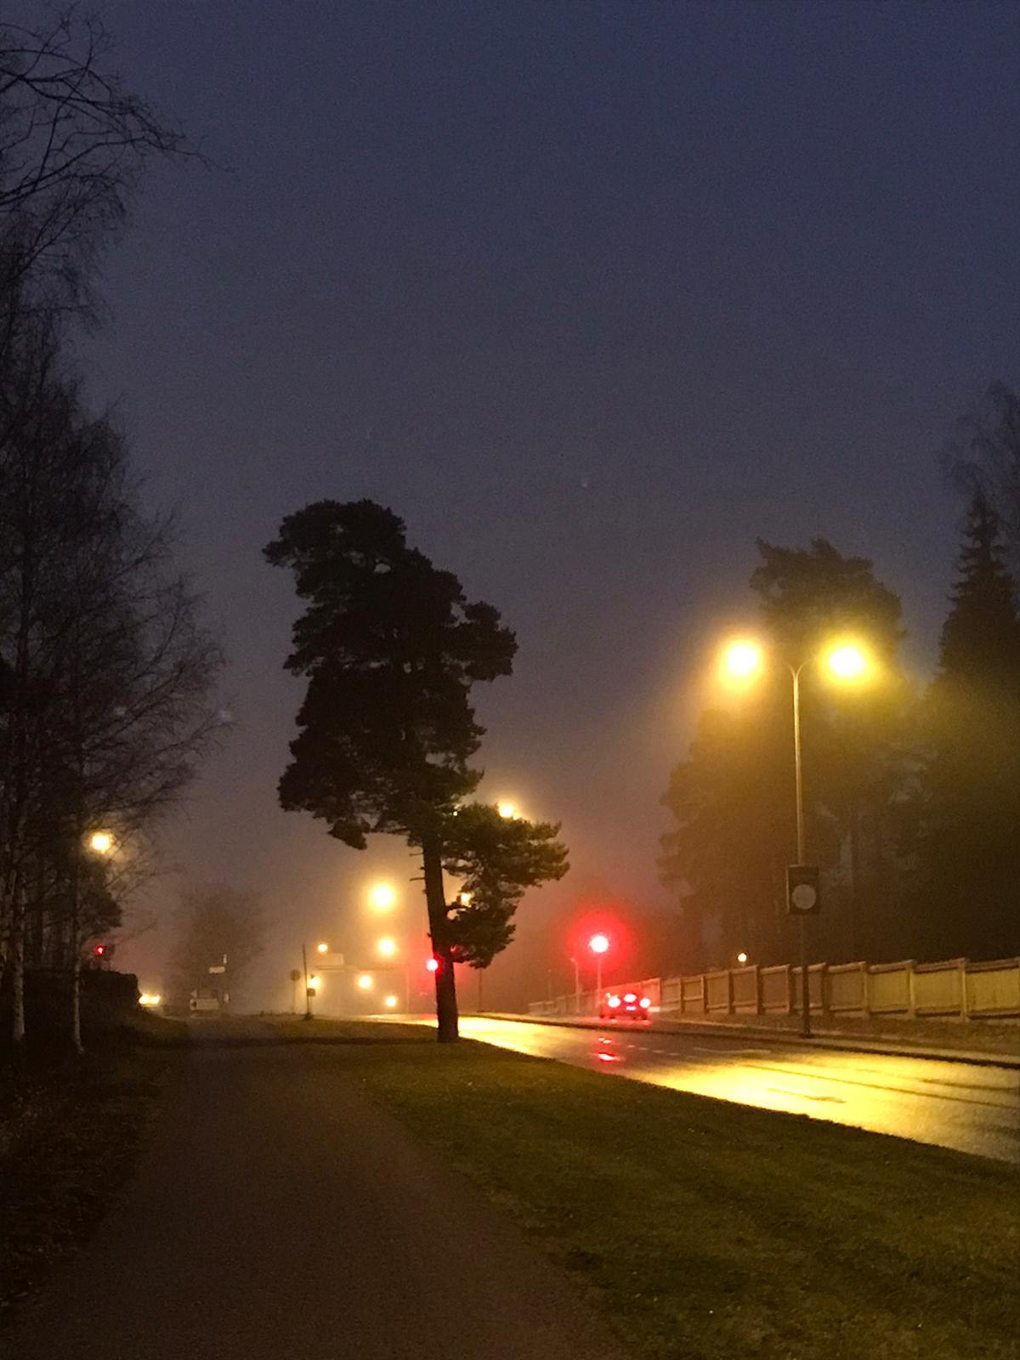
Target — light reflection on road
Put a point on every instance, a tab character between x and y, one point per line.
972	1108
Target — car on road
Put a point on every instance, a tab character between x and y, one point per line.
625	1006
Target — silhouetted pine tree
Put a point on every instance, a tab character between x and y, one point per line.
970	847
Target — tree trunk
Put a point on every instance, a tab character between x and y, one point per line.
435	900
76	1042
18	971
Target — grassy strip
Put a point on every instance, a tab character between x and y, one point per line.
712	1230
69	1133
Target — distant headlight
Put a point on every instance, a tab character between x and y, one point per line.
614	1001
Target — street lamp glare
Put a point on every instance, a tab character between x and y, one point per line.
387	945
741	958
313	981
598	944
742	659
847	662
391	1001
507	810
101	842
322	947
382	896
365	981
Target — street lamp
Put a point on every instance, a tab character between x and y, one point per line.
507	810
387	946
322	947
365	981
101	842
741	958
845	661
598	944
382	896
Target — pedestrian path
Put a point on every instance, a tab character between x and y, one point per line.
280	1215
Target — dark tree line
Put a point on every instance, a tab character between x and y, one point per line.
104	668
913	799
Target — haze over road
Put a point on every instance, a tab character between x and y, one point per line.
965	1106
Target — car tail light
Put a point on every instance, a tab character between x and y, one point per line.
645	1002
614	1001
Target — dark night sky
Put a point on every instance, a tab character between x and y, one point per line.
592	295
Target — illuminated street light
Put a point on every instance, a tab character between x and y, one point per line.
382	896
391	1001
313	981
741	958
365	981
432	965
848	662
507	811
387	946
598	944
322	947
464	899
101	842
845	661
742	659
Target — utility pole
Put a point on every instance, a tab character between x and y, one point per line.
308	995
805	983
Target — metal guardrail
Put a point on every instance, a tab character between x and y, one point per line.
954	988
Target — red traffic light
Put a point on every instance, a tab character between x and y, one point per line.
99	950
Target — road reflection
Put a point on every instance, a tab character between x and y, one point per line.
973	1109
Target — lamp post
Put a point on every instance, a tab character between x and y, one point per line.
846	662
598	944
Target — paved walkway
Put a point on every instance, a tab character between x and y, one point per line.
279	1214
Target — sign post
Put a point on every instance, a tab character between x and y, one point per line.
803	899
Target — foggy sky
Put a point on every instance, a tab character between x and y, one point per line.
592	296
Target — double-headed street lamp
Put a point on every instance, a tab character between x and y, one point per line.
846	662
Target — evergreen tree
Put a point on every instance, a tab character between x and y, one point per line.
970	840
391	649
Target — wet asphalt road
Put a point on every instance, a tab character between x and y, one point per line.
280	1214
965	1106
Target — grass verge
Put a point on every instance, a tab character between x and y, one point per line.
713	1231
69	1133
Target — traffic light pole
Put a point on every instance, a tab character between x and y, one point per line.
805	985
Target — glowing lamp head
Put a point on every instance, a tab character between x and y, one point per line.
742	660
382	897
432	965
507	810
101	842
313	981
598	944
387	946
847	662
365	981
391	1002
322	947
741	958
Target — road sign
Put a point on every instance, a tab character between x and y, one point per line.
803	893
309	991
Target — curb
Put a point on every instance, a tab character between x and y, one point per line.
821	1039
